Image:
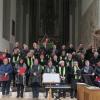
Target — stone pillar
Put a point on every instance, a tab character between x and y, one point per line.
73	27
79	20
98	14
12	24
21	23
27	28
3	43
26	20
38	19
71	22
76	24
60	19
56	14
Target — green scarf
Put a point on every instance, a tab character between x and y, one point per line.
30	63
64	71
15	61
75	70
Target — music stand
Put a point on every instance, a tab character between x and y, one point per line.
51	78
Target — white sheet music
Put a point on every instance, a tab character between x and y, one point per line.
51	78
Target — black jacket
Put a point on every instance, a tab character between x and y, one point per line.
97	71
36	69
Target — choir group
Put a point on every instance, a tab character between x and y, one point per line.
25	66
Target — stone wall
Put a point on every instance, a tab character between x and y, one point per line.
89	22
3	42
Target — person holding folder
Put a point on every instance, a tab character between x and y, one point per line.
20	77
5	76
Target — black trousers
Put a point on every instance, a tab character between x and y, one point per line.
20	90
35	89
88	79
5	87
73	92
27	79
68	78
62	92
14	84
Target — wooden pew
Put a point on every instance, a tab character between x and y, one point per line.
92	93
86	92
80	90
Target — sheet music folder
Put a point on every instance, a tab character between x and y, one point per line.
51	78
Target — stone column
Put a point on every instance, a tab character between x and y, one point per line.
98	14
3	43
76	24
60	19
21	23
38	19
70	28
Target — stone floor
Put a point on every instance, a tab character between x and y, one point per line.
28	96
8	98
